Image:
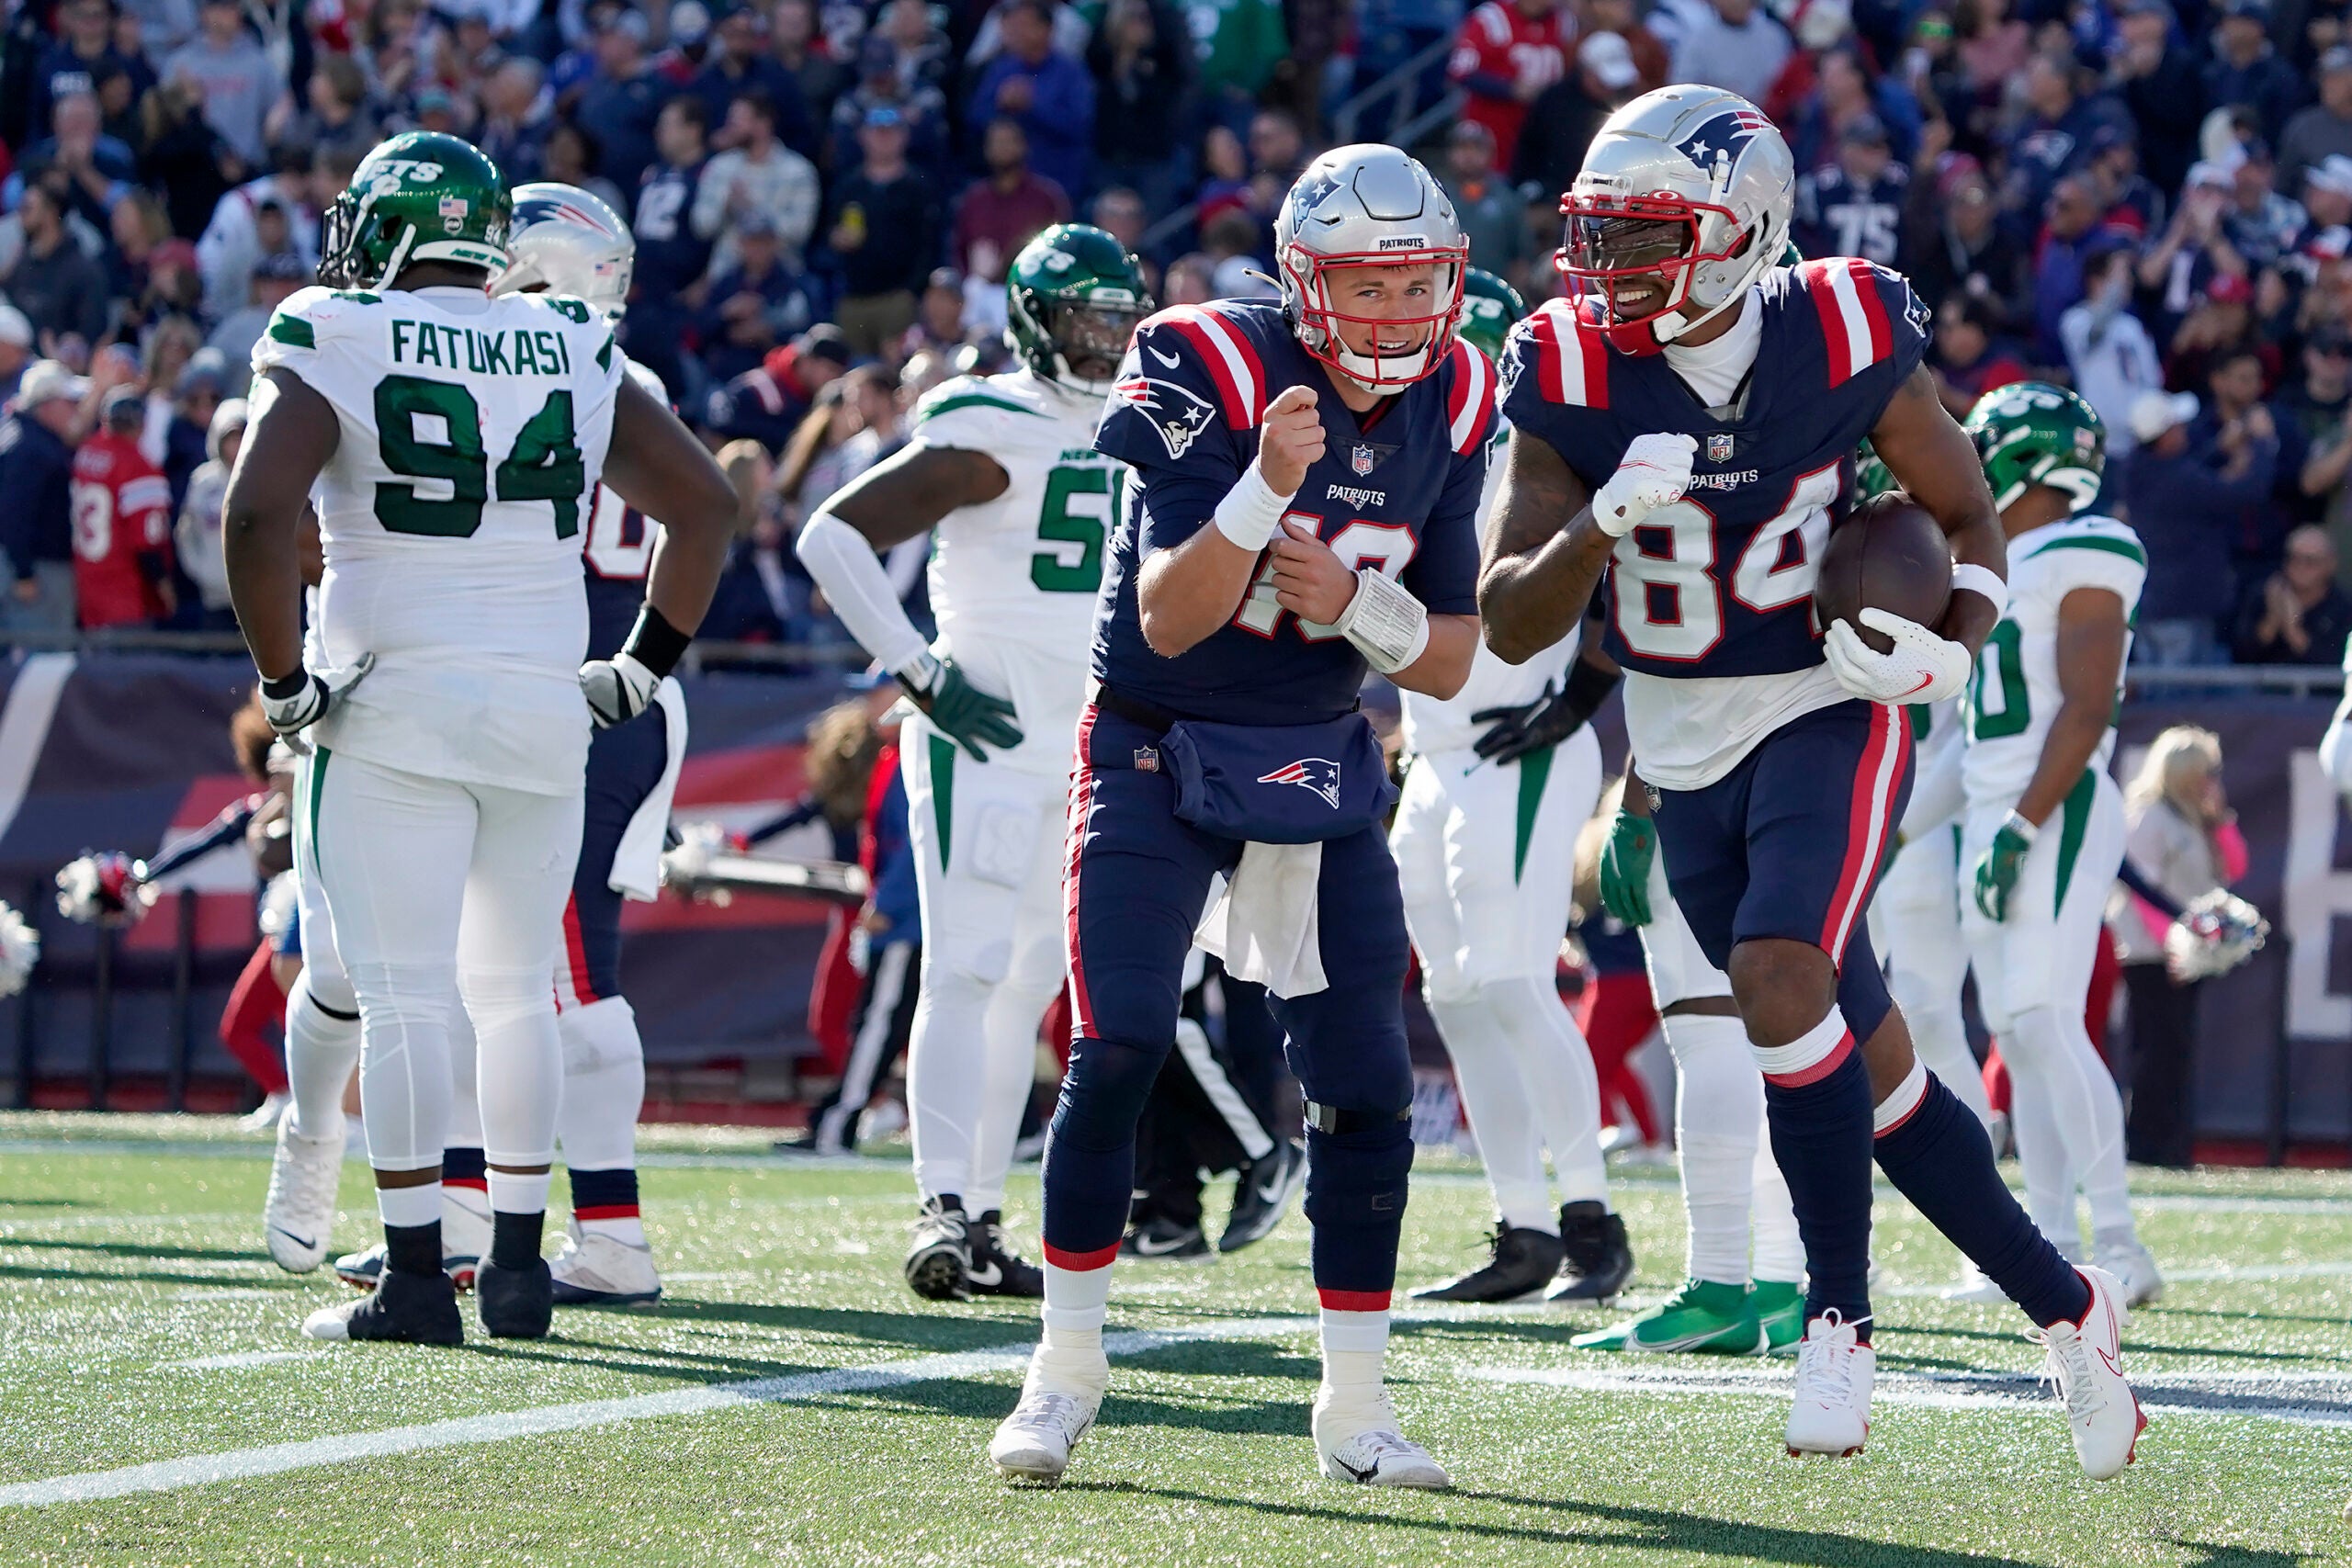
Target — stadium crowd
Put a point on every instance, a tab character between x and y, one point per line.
2151	204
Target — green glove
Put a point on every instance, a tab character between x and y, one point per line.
1626	868
964	713
1997	872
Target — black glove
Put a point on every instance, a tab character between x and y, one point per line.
1551	718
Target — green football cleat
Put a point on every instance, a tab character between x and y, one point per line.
1780	1310
1701	1318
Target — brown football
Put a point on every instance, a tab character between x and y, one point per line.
1887	554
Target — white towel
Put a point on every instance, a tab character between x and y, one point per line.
637	864
1267	926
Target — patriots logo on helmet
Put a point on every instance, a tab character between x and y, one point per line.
1724	136
1178	414
1318	774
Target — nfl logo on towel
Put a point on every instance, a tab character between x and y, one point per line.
1719	448
1362	460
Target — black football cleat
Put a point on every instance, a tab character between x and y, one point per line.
939	1260
1164	1241
1520	1263
414	1309
1595	1259
516	1303
1262	1196
996	1270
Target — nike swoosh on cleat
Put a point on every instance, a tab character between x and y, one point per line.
302	1242
1363	1475
1148	1249
991	1276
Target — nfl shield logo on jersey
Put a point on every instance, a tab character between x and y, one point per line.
1362	459
1719	448
1146	760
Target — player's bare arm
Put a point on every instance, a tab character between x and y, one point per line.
659	468
1541	555
1931	457
290	438
1186	592
2092	634
908	495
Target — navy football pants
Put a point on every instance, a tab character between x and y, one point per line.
1136	881
624	763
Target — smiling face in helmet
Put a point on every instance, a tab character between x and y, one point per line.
1384	310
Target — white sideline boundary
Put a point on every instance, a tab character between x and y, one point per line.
275	1459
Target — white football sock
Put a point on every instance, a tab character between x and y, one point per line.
516	1192
1077	1301
1779	1250
1487	1075
419	1205
1355	1350
320	1051
1555	1064
1718	1107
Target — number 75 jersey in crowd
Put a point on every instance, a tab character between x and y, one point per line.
1721	584
1396	488
1013	580
472	433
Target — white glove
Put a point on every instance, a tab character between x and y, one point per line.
618	689
292	712
1654	473
20	949
1922	667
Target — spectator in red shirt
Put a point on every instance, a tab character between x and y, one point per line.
122	522
1508	52
1007	209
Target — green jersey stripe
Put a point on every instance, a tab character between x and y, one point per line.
2124	548
972	400
1534	771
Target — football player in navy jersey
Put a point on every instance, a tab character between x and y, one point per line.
1682	431
1306	475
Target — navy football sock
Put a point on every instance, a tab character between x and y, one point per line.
1356	1200
1939	1158
1821	1139
1090	1171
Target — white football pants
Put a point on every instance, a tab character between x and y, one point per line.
1485	857
1915	925
988	844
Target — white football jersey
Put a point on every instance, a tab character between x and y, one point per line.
473	431
1433	725
2014	694
1013	581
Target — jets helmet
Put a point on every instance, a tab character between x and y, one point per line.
1684	198
1490	307
2031	433
564	239
1370	206
1072	299
420	196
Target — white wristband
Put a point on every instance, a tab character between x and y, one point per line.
2020	827
1982	580
1250	510
1385	622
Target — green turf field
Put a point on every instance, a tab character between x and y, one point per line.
791	1402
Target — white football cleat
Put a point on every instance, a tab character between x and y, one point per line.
2086	1362
594	1269
1059	1400
1357	1441
265	1116
298	1217
1975	1287
2135	1271
1832	1413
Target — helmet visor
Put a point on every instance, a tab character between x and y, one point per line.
1092	335
1636	253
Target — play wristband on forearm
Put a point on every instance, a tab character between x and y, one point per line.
1985	580
1385	622
1250	510
655	643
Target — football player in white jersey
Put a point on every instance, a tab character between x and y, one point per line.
450	442
2044	832
1002	468
1503	776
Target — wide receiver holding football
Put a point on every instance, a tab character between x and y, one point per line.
1645	450
1305	479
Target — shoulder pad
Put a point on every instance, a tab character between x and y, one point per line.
1868	314
1554	358
1203	347
970	402
647	381
1469	396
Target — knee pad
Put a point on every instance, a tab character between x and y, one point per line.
497	997
1358	1176
600	1035
419	992
1103	1092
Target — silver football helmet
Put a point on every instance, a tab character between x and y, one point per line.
1684	198
1370	206
564	239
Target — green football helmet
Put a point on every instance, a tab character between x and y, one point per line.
2030	433
1072	301
1871	478
421	196
1490	307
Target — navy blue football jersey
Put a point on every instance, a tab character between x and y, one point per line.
1398	487
1837	216
1721	582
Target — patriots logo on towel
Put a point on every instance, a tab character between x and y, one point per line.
1178	414
1724	136
1318	774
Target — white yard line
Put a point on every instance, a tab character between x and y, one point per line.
198	1469
243	1358
2222	1274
